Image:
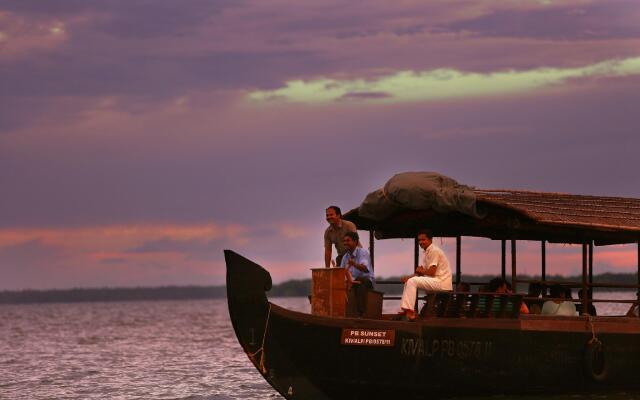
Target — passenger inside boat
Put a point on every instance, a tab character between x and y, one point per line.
501	286
434	274
360	274
463	287
557	305
568	293
591	308
535	302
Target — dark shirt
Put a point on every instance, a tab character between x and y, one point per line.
591	308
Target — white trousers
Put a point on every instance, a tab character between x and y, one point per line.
419	282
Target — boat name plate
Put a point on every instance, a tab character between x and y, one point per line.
368	337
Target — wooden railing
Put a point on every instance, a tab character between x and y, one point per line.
484	304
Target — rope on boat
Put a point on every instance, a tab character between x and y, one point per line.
261	349
595	360
594	338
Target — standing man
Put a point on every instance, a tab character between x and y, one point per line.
334	234
357	261
433	274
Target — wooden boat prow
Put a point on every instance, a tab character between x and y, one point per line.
250	313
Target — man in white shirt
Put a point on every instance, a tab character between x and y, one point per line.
558	306
433	274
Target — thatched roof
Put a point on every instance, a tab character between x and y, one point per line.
615	213
516	214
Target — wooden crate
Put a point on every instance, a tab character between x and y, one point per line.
329	292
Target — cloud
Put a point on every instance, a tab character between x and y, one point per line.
30	249
365	95
96	238
155	52
291	231
481	131
439	84
184	166
20	36
595	21
167	245
117	159
139	19
621	258
113	260
150	53
141	254
146	76
64	258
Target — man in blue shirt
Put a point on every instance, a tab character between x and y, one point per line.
358	263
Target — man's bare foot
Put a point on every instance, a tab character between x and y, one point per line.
411	315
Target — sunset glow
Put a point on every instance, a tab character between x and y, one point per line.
139	140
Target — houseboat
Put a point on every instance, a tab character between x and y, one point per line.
464	343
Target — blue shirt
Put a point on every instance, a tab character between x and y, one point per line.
360	256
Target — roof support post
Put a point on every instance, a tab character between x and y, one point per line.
585	284
458	259
514	280
416	255
416	261
590	262
371	248
504	259
543	247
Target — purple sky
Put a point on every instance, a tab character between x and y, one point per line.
140	138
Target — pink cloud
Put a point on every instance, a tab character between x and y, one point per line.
148	254
20	36
101	255
121	236
617	258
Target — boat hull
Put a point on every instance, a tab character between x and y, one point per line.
306	356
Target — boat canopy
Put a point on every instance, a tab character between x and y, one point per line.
412	201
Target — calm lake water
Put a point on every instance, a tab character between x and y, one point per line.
137	350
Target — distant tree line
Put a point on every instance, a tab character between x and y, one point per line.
112	294
291	288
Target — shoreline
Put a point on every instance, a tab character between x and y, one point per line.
290	288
